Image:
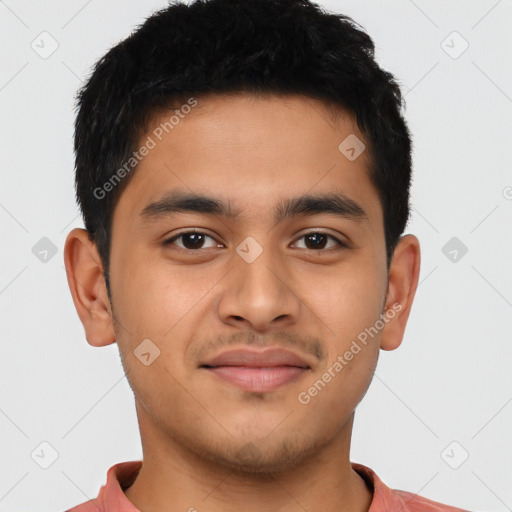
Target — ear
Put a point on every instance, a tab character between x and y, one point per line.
403	278
85	279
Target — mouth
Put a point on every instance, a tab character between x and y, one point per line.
257	371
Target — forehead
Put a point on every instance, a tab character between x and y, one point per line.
251	150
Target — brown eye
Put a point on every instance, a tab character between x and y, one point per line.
191	240
317	241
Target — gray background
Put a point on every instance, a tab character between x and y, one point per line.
446	392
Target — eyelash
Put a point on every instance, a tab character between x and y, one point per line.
340	244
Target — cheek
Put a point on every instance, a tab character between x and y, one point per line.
342	381
349	304
149	295
158	300
353	307
348	300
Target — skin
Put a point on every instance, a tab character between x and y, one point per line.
206	443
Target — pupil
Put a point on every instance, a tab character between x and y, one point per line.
317	245
192	236
194	240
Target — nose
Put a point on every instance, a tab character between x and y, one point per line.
260	295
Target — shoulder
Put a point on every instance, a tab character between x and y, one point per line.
88	506
386	498
111	497
415	503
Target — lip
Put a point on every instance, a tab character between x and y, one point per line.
258	358
256	370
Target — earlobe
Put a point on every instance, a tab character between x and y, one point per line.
402	283
84	272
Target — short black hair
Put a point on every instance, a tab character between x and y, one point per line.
227	47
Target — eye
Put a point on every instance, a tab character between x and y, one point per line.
191	240
195	240
317	240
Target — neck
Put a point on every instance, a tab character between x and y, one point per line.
174	478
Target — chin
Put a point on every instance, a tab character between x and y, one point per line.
259	459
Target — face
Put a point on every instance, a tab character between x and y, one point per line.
251	268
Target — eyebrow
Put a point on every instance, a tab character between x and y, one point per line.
179	202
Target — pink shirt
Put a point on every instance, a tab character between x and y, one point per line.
120	476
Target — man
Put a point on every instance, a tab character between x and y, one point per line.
243	170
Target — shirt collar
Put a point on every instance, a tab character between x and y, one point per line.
120	476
